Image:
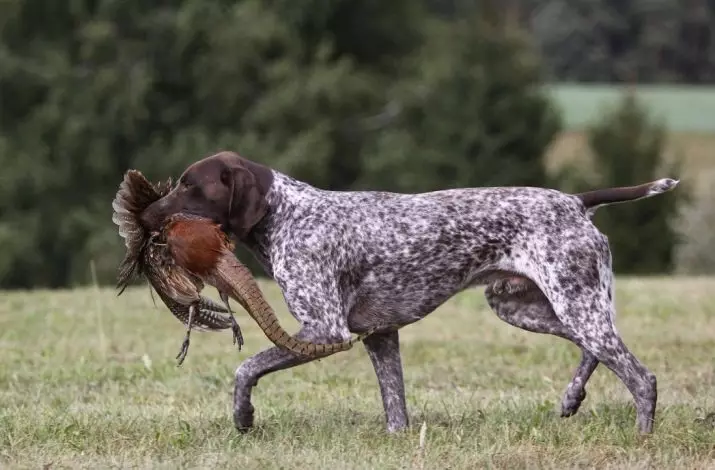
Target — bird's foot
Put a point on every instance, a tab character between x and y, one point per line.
184	351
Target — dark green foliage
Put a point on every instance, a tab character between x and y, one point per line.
644	41
613	41
92	88
343	94
470	114
628	147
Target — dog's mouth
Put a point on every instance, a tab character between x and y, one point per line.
225	229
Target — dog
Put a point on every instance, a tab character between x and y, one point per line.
352	261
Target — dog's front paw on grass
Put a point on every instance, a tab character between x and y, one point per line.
243	418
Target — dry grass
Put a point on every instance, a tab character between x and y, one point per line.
695	149
684	110
88	380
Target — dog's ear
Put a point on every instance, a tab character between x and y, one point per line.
247	203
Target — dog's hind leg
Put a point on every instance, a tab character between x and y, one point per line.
576	390
608	347
517	301
580	288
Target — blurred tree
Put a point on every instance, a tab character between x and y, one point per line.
628	148
648	41
695	250
470	114
90	89
339	93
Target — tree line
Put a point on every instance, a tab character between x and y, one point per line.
344	94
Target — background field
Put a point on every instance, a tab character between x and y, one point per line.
686	111
89	380
680	108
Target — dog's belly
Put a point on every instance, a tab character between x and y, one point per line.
387	314
391	305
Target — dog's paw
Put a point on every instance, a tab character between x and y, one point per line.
243	418
570	404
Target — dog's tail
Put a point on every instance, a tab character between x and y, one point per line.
592	200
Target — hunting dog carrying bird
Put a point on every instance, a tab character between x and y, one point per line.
358	261
184	253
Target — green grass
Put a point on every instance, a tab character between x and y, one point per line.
88	380
685	110
680	108
695	150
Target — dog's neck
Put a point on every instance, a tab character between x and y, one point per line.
286	196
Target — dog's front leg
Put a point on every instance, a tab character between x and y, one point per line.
384	352
265	362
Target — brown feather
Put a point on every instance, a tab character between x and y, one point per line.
146	257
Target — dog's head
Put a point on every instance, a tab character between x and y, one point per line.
224	187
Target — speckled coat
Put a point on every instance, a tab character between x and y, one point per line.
351	261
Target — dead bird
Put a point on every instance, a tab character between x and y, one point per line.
177	288
185	249
200	247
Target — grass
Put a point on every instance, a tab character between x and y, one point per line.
680	108
695	149
683	110
88	380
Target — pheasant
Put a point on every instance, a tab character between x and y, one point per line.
145	256
199	246
187	252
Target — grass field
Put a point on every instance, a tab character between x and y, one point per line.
88	380
680	108
696	150
685	111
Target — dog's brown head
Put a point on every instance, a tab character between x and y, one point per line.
224	187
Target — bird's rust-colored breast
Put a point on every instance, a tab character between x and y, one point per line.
195	244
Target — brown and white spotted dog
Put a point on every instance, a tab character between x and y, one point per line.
351	261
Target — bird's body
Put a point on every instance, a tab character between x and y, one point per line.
195	243
198	246
193	246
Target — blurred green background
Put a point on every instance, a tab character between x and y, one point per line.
401	95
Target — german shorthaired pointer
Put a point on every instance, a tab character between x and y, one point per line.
351	261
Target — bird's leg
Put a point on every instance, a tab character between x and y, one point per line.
237	335
185	345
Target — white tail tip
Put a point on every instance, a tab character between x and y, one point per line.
662	186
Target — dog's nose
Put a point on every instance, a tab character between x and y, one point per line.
153	216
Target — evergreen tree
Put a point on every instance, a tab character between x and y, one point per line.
90	89
472	113
628	149
607	41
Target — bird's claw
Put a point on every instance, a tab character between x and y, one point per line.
237	335
183	352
